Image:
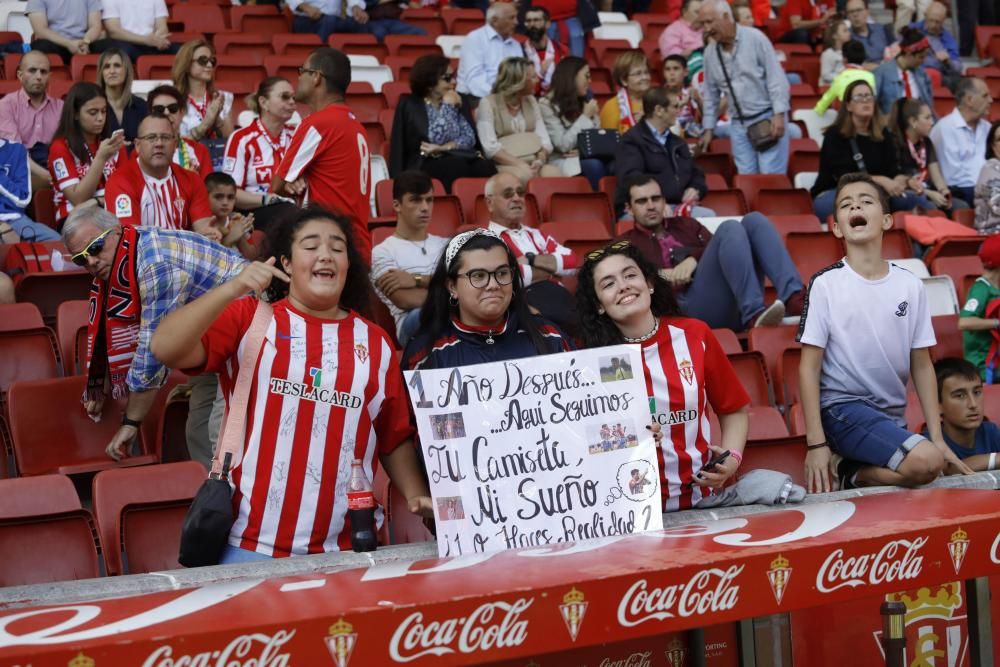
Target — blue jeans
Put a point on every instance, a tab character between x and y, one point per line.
860	432
749	161
577	38
408	327
327	25
728	286
824	203
29	230
232	555
382	27
594	170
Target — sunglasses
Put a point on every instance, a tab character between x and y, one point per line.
600	252
206	61
94	247
448	77
164	109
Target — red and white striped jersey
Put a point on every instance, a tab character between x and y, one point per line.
528	239
325	392
252	155
174	202
685	367
67	170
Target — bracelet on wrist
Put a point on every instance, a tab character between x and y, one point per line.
818	446
738	456
134	423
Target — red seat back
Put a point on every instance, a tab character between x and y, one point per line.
752	372
586	206
726	202
783	201
71	322
28	354
949	338
259	18
751	183
544	188
728	340
813	252
771	342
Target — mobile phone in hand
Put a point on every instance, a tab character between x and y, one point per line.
712	463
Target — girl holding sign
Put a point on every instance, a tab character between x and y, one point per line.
326	389
476	311
622	299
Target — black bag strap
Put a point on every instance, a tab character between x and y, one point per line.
729	83
859	159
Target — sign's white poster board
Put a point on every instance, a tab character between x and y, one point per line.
536	451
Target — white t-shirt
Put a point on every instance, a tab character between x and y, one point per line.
867	328
409	256
136	16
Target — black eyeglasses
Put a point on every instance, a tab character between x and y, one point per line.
480	278
600	252
164	109
206	61
448	77
304	70
94	247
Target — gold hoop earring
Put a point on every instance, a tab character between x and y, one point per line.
453	300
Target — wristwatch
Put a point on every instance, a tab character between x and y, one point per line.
530	256
135	423
418	279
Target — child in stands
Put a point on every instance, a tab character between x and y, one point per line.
675	71
864	331
960	393
234	228
854	60
976	324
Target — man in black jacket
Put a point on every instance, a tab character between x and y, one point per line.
650	148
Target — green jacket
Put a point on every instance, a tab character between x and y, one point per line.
840	84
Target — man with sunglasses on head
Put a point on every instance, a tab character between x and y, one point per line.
151	191
542	259
141	274
328	161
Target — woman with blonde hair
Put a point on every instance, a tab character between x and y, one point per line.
114	78
510	124
631	74
208	112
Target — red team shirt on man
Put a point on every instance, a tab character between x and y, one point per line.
67	170
686	370
172	203
253	155
330	149
325	392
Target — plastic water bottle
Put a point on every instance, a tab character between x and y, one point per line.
361	509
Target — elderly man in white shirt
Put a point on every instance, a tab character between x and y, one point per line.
484	48
960	138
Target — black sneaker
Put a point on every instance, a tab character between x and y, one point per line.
846	470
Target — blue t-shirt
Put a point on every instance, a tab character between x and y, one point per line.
987	441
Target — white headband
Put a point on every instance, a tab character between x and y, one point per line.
459	240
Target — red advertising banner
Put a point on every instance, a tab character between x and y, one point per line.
512	605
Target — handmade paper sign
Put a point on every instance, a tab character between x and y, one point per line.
538	451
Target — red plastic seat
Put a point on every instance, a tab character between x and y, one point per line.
750	184
462	21
259	18
468	190
788	375
45	534
20	316
896	245
786	455
725	202
427	18
607	50
580	236
544	188
154	67
48	290
728	340
949	339
801	223
394	90
284	66
751	369
717	163
68	445
953	246
766	423
715	182
813	251
412	46
447	216
380	234
199	17
793	201
803	159
991	400
586	206
242	67
143	507
771	342
71	332
360	45
248	43
377	139
366	106
27	354
83	66
959	268
295	44
985	33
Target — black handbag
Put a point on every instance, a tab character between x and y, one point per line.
210	518
600	144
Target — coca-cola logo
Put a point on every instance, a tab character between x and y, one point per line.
494	625
995	550
897	560
635	660
708	591
255	650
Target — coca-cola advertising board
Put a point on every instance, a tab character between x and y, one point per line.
546	450
514	605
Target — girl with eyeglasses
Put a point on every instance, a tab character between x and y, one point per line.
255	151
84	152
208	112
192	155
476	311
622	299
860	140
432	130
114	77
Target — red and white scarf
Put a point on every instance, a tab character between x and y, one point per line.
550	54
113	329
920	157
626	118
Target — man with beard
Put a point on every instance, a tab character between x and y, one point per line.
539	48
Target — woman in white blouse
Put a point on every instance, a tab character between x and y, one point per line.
568	109
209	111
510	124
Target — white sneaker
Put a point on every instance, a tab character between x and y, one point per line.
772	315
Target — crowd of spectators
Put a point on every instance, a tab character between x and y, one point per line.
168	197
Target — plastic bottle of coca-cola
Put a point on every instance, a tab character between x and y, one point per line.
361	509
